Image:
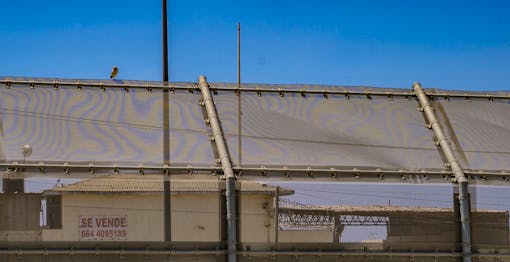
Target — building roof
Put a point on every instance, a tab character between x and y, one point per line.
130	183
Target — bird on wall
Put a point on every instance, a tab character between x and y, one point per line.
115	71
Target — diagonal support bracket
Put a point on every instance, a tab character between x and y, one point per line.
460	178
226	166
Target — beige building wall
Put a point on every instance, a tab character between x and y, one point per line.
196	217
144	215
257	218
305	236
20	235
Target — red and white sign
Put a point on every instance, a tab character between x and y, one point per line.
103	227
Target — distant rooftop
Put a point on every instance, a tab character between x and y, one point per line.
154	184
372	210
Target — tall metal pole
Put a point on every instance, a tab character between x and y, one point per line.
460	178
239	93
276	215
226	165
166	129
165	42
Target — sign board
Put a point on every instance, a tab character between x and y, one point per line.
103	227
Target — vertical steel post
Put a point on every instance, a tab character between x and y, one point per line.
276	215
465	223
165	41
337	226
166	130
239	139
226	165
460	178
2	154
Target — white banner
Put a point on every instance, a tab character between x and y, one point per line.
103	227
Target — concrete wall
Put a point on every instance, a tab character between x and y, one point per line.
112	258
302	236
406	230
258	224
241	258
490	228
257	218
144	215
20	235
196	217
19	211
19	217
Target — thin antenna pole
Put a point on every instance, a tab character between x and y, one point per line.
239	92
165	42
238	55
166	129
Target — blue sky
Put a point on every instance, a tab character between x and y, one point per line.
444	44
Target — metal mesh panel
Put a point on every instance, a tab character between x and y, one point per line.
489	219
414	217
333	131
366	216
278	128
82	125
227	107
189	138
315	88
479	130
90	125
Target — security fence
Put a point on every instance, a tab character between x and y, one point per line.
322	172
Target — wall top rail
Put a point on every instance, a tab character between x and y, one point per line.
303	90
269	173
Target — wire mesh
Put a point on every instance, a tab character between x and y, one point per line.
110	125
399	217
189	137
333	131
65	124
81	125
479	130
490	219
395	217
